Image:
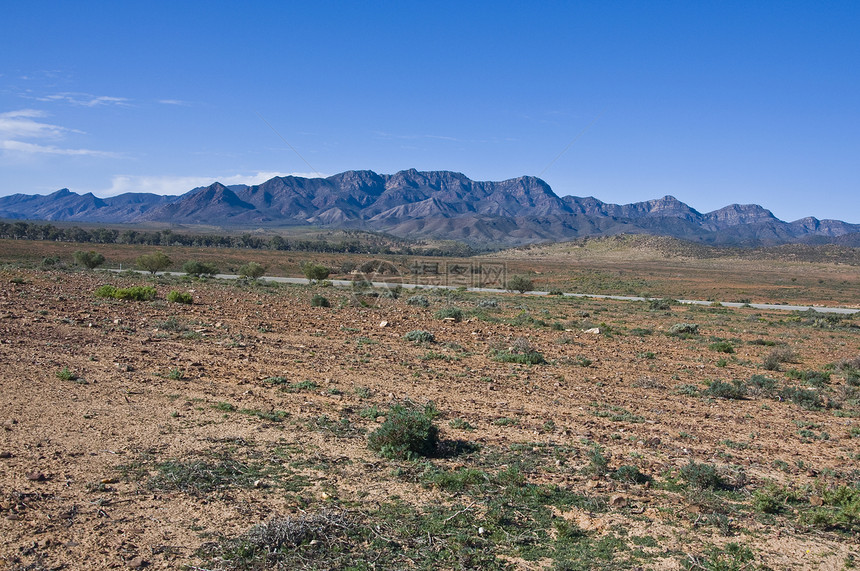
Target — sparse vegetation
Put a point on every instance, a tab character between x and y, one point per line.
198	269
418	301
520	283
318	300
407	433
315	272
252	270
135	293
180	297
153	263
90	259
419	336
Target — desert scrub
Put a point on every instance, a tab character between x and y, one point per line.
804	398
419	336
136	293
735	390
418	301
520	351
683	330
319	301
180	297
454	313
407	433
722	347
90	260
772	360
702	476
520	283
197	269
252	270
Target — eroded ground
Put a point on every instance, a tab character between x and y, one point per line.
150	434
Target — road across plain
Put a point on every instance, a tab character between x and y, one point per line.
348	283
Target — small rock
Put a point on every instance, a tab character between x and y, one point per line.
5	454
383	324
617	501
138	563
36	477
13	517
816	500
593	331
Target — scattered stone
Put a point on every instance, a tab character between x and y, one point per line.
138	563
383	324
593	331
618	501
5	454
36	477
816	501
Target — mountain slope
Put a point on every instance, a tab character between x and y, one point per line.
433	204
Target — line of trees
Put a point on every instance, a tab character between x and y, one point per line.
377	244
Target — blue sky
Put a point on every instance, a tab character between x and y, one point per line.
712	102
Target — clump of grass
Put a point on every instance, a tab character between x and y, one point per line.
136	293
461	424
661	304
520	351
66	374
306	385
407	433
419	336
454	313
418	301
320	301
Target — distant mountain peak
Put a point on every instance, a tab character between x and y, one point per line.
429	204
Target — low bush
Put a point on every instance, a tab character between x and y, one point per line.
195	268
418	301
319	301
520	351
683	329
701	475
136	293
808	399
252	270
89	260
734	390
521	284
407	433
180	297
420	336
722	347
454	313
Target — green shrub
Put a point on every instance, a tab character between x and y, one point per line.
315	272
154	262
722	347
520	283
683	329
772	360
701	475
180	297
90	260
136	293
65	374
252	270
418	301
759	384
420	336
555	292
520	351
734	390
195	268
319	301
629	474
454	313
661	304
407	433
808	399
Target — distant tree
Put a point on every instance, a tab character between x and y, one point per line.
315	272
195	268
90	260
154	262
252	270
520	283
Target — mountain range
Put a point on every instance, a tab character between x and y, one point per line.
435	204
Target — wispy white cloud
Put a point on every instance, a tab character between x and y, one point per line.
173	102
85	99
26	124
174	185
35	149
23	124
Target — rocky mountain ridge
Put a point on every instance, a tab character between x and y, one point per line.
432	204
